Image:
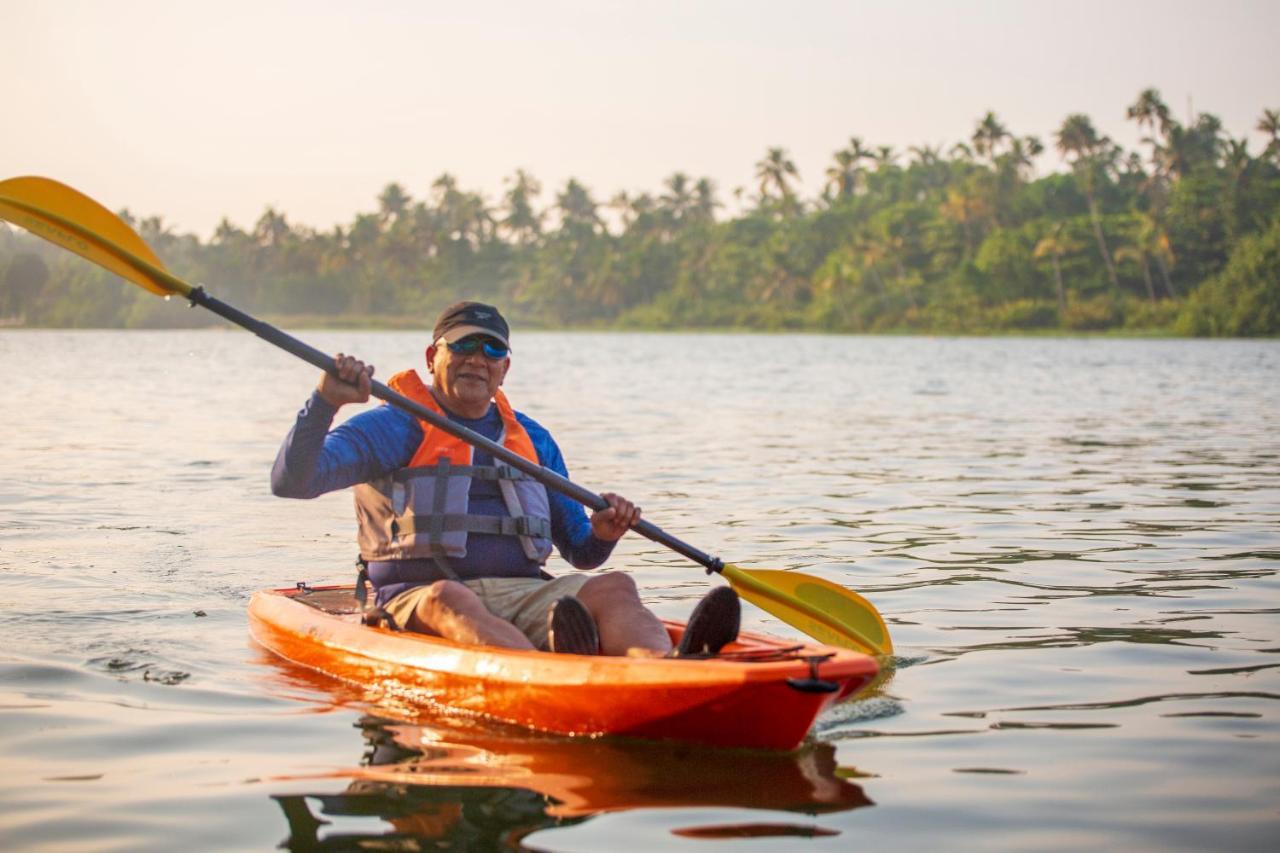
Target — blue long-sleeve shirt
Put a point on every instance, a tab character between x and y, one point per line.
315	460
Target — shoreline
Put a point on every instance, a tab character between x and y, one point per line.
319	323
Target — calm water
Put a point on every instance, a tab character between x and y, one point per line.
1075	542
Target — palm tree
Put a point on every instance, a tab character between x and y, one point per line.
962	152
1151	112
462	217
845	176
362	239
1018	163
1090	155
447	202
476	222
621	204
272	229
1236	162
1024	152
1134	253
925	155
1150	242
521	220
884	156
704	200
444	186
1154	242
1270	125
859	150
1188	147
426	229
156	233
1053	246
775	171
678	199
988	136
578	211
392	204
926	162
227	234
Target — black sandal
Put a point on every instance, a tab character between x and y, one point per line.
713	624
571	630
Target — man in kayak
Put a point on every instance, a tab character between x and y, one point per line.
453	542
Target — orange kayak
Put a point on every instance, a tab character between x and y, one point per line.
761	692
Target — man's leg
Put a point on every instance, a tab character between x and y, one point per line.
626	626
448	609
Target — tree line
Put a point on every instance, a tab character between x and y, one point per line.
1180	236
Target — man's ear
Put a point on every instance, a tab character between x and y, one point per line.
431	358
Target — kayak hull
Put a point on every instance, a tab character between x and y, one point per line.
754	696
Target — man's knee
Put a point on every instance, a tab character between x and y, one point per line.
445	597
610	588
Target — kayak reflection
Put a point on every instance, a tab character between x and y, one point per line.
473	786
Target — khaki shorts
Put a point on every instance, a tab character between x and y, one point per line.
524	602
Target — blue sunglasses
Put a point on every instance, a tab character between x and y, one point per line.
470	346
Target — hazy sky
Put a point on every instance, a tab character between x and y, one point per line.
196	111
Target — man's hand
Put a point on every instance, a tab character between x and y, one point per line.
611	523
352	384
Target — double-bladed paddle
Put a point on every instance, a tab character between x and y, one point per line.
823	610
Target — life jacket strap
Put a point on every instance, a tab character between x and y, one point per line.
435	532
512	500
437	525
442	563
499	471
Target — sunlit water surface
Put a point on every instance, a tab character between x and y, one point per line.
1075	543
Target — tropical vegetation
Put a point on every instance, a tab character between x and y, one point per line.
1181	236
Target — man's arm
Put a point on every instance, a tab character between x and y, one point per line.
570	528
313	460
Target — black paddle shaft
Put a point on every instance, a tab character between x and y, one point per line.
547	477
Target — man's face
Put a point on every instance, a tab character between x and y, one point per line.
465	383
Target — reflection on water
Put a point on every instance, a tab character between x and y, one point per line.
1076	545
431	776
470	786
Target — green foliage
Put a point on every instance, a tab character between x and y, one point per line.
1244	298
1093	314
1007	265
1159	316
969	241
1025	314
22	279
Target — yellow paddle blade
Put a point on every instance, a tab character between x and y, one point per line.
825	611
74	221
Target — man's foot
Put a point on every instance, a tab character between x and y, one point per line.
572	630
713	625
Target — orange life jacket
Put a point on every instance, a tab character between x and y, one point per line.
422	510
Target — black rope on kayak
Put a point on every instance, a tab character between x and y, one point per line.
370	613
761	655
362	582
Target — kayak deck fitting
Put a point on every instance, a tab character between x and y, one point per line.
761	692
